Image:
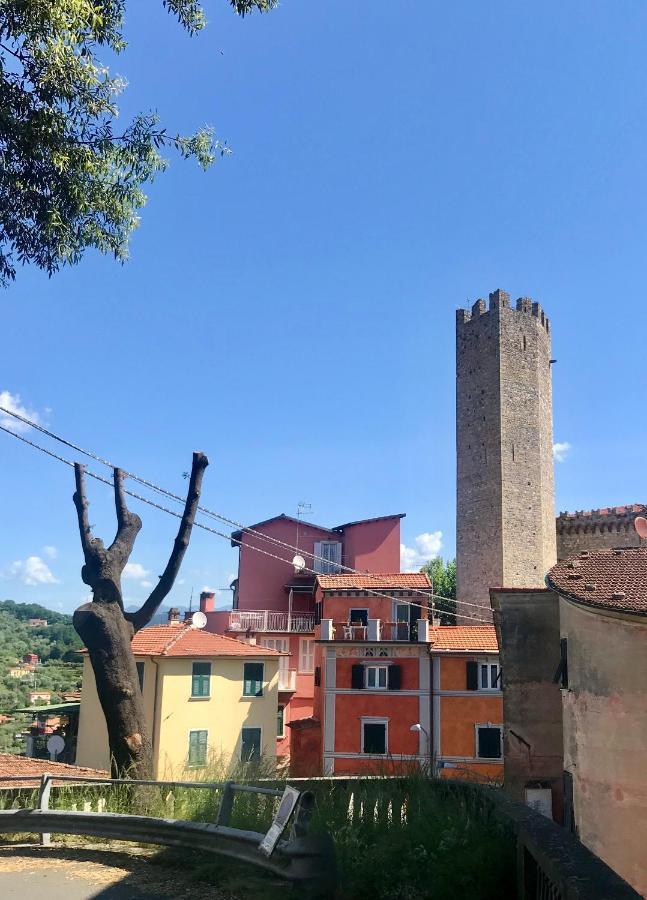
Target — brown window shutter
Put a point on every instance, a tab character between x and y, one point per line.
357	677
317	676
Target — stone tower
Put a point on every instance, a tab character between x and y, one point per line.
505	529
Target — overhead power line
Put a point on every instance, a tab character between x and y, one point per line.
426	594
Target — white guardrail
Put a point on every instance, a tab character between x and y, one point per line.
301	857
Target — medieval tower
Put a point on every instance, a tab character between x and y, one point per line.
505	530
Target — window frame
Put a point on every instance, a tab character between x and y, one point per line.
377	670
373	720
489	662
304	669
257	695
201	677
491	725
325	565
198	765
280	734
244	728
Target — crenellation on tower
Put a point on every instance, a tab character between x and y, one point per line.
479	308
499	299
505	490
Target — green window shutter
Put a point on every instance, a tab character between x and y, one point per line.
395	678
250	744
200	679
253	674
280	721
357	677
197	748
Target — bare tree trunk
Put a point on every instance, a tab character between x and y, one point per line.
107	631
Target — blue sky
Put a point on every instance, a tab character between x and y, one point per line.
291	311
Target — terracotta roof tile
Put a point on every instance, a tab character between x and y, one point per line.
23	765
395	581
464	637
607	579
179	639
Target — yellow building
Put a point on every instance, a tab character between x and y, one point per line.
208	699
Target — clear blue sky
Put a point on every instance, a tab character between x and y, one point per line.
291	311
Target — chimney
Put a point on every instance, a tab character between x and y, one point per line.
207	602
173	614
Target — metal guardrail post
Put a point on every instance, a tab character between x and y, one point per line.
226	804
43	803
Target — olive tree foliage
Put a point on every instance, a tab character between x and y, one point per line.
69	178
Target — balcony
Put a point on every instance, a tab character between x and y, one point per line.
375	630
269	620
287	679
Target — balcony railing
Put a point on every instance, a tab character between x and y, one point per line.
375	630
287	680
269	620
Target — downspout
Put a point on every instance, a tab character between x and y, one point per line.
155	728
432	722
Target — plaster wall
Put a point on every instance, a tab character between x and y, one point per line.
527	625
605	735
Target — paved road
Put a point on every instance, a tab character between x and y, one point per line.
53	874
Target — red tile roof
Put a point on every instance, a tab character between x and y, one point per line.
22	765
606	511
464	637
180	639
607	579
396	581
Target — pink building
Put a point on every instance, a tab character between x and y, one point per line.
274	600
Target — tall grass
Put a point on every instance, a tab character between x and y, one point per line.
405	838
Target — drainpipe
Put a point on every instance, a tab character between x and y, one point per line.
154	722
432	722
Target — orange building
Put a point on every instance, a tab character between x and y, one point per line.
467	711
391	691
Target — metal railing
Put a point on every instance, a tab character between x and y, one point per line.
377	630
270	620
301	858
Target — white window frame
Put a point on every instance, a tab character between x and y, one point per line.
303	658
489	662
372	720
377	670
283	646
329	562
477	727
284	707
240	753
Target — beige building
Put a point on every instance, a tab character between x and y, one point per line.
209	700
593	621
505	531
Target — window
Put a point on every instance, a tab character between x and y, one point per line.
483	675
253	680
561	675
250	744
377	677
374	736
488	742
280	722
200	679
489	676
306	655
140	675
283	646
197	748
330	561
358	617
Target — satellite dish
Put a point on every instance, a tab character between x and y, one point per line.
55	746
299	563
198	620
640	524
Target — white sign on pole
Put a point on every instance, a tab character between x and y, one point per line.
285	810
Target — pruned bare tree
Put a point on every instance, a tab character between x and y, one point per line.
107	630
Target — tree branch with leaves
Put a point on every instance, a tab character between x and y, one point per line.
68	182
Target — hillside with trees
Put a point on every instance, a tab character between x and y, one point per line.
56	645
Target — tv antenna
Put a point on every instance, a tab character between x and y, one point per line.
302	507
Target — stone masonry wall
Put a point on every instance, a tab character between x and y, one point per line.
598	529
505	490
